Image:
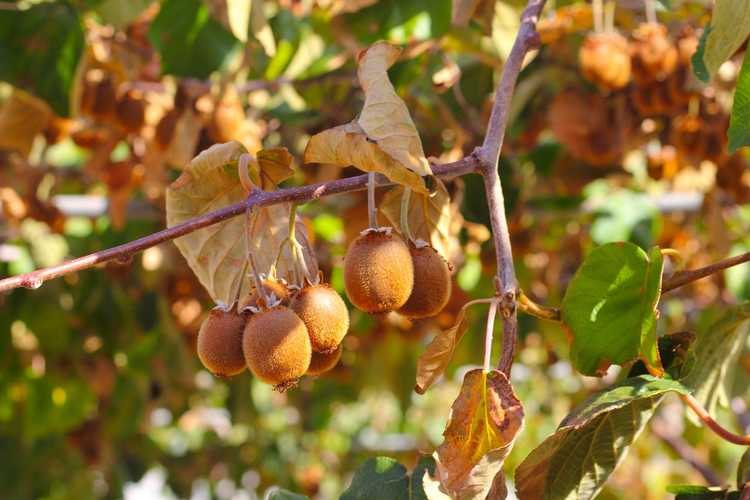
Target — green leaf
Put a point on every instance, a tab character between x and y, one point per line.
379	478
282	494
610	308
401	22
190	42
118	13
743	469
626	216
712	362
54	406
730	27
698	492
575	461
739	124
39	51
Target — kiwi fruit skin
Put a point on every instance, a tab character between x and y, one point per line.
378	272
323	362
219	343
277	346
432	284
270	287
325	315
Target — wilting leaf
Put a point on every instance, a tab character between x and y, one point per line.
739	125
730	26
22	117
384	478
485	420
610	308
429	216
385	118
434	360
217	254
348	145
575	461
462	11
275	167
711	364
184	140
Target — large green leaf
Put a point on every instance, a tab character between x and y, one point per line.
711	364
54	405
575	461
40	49
610	308
739	124
384	478
401	22
189	41
730	26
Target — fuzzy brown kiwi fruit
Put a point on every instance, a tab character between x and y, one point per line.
378	272
278	289
604	59
219	342
323	362
432	283
325	315
277	346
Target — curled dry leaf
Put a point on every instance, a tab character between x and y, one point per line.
349	145
485	420
216	254
383	139
430	216
185	139
22	117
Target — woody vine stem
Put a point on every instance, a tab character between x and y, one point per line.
483	160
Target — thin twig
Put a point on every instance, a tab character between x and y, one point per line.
682	278
488	334
123	253
372	209
542	312
489	154
719	430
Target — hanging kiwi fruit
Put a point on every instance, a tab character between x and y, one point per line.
432	282
219	342
325	315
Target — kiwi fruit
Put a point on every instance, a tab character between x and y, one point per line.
325	315
278	289
323	362
432	283
220	342
277	346
378	272
604	59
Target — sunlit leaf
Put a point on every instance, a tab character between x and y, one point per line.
484	422
429	216
711	364
575	461
739	125
730	26
274	167
384	117
238	14
384	478
22	118
348	145
609	308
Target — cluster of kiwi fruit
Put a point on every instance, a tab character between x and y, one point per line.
280	334
385	273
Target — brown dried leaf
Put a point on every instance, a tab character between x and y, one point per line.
22	117
463	11
429	216
348	145
385	117
485	420
275	166
434	360
185	139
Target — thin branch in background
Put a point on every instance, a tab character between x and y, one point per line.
682	278
716	427
124	252
488	334
673	438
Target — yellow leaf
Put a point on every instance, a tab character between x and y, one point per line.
485	420
348	145
185	139
217	254
22	117
275	166
238	14
434	360
261	29
429	216
385	118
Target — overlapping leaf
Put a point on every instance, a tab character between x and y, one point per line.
217	254
609	308
712	362
485	420
384	478
383	139
729	29
429	216
575	461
